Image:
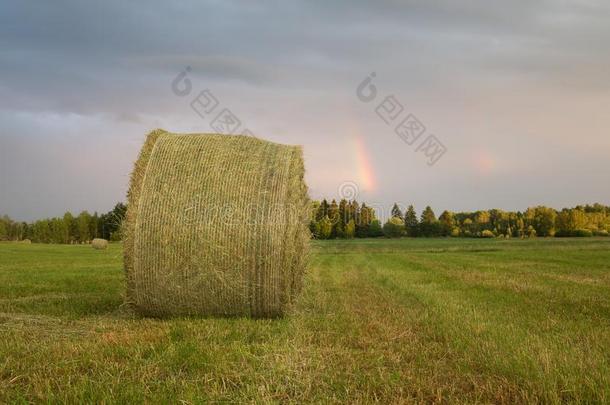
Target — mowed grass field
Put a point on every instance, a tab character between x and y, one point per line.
448	320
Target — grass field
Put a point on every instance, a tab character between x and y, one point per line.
387	320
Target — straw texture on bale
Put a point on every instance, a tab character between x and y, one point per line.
216	225
99	244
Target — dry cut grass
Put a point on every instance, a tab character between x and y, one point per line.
391	321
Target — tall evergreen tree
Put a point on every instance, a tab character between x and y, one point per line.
342	218
428	224
113	222
322	210
396	212
367	215
354	211
411	223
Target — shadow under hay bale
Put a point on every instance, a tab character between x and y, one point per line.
99	244
216	225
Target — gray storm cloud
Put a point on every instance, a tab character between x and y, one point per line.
516	91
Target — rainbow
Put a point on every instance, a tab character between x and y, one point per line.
363	162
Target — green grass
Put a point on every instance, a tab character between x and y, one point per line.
378	320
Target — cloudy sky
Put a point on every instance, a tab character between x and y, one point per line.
517	93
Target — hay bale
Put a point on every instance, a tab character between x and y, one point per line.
216	225
26	242
99	244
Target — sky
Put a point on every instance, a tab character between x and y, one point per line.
511	100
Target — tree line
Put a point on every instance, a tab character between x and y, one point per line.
349	219
68	229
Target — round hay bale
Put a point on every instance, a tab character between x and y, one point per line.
26	242
99	244
217	225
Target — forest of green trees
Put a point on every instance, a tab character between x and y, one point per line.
67	229
350	219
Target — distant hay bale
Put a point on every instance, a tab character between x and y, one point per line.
216	225
26	242
99	244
